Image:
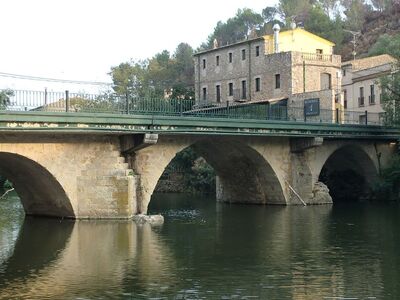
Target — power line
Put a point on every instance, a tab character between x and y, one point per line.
37	78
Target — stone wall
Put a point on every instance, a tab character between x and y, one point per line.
69	176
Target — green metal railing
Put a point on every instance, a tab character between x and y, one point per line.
114	104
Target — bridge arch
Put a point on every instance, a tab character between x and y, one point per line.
39	191
348	171
244	175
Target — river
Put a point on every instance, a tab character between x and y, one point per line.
205	250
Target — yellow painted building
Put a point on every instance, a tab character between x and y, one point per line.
298	40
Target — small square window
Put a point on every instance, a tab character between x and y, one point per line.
243	54
230	57
257	50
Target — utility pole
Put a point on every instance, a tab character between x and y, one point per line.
354	41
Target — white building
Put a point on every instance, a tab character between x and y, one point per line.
360	82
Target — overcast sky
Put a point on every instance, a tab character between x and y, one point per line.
82	39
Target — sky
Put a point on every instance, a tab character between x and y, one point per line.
83	39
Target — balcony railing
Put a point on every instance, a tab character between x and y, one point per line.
317	57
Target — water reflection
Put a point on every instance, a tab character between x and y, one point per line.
210	250
56	259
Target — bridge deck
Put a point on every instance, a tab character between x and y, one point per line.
106	123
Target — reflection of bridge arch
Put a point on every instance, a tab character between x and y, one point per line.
245	175
348	167
39	191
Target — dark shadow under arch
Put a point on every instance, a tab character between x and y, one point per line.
244	176
349	174
39	191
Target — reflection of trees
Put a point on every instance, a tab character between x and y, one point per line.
57	260
277	253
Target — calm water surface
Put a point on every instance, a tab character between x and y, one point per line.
205	250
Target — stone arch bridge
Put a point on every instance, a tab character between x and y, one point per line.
94	166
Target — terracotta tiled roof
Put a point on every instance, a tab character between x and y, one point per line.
370	62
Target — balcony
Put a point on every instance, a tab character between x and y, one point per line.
321	57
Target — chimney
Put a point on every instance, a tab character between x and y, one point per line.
276	29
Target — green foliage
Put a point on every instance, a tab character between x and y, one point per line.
5	97
388	187
297	10
355	11
389	44
157	75
129	78
320	24
235	29
198	176
390	100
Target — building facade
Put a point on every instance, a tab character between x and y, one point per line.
291	66
360	84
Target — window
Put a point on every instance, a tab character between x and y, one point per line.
319	53
372	96
325	81
230	89
361	98
244	91
257	50
218	92
344	72
204	63
204	94
230	57
243	54
277	81
217	60
345	98
258	86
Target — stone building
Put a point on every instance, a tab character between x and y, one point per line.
289	67
360	84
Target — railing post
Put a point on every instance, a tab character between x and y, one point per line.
366	117
127	102
66	101
305	115
227	108
45	96
180	106
337	115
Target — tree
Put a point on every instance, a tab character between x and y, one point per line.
5	96
390	86
320	24
129	78
386	44
330	7
296	10
355	11
235	29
